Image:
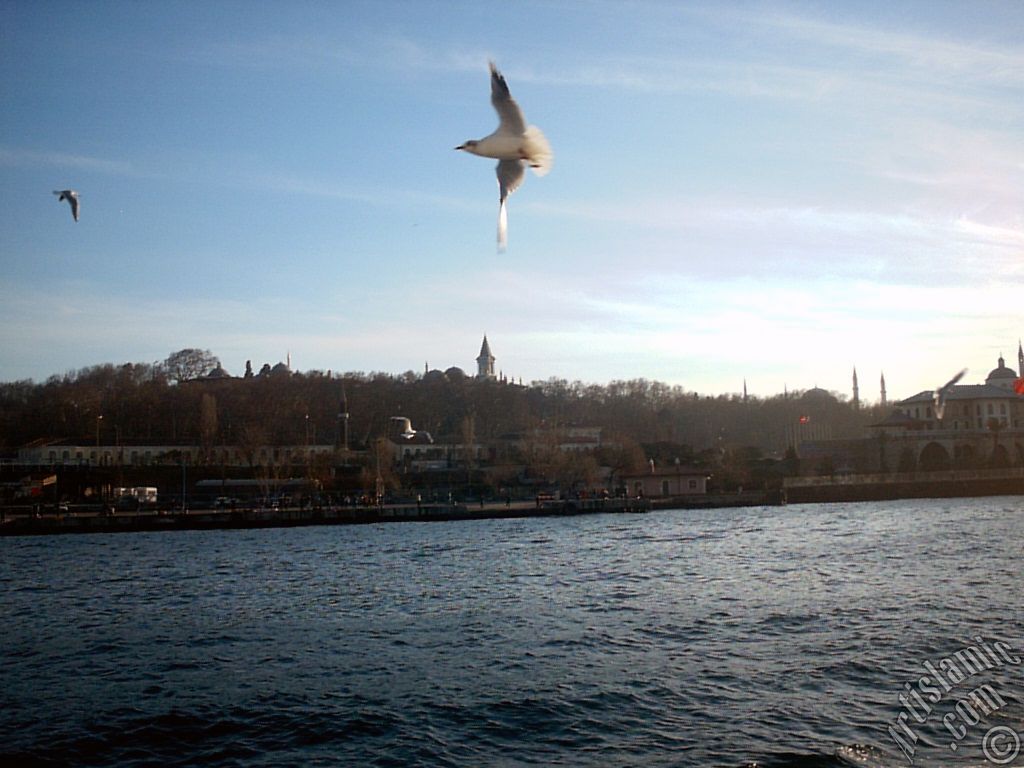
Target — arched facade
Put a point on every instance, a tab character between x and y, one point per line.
934	457
982	426
936	453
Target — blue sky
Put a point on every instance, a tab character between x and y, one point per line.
775	192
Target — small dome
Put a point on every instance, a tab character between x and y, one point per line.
455	373
433	375
218	373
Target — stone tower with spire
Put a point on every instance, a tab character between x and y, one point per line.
485	361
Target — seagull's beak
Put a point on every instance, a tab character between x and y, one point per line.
461	146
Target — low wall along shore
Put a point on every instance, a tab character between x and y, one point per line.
93	522
907	485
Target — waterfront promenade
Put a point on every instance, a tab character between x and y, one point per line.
284	517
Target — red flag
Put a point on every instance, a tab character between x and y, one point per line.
1018	386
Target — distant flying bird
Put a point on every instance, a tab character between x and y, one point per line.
512	144
942	392
71	196
408	433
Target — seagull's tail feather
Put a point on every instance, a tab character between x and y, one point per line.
502	227
537	150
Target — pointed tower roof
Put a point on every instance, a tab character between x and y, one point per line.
485	361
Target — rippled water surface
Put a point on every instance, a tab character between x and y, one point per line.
777	636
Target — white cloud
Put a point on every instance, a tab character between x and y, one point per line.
16	156
932	57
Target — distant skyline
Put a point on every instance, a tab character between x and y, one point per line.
775	192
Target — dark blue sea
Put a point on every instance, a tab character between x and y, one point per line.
809	635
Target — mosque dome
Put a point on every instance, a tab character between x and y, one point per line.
455	373
817	395
218	373
1002	372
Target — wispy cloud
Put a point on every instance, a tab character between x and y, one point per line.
390	196
368	50
936	58
17	156
745	237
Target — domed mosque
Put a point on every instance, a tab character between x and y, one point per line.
818	396
1004	377
484	365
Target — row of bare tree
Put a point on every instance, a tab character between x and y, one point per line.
177	401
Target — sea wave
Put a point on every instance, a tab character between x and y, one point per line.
736	638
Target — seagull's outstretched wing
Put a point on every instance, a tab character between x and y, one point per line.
510	175
71	196
942	392
510	117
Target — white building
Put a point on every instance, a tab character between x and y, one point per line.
970	407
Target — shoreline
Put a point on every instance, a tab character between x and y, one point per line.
293	517
815	492
910	485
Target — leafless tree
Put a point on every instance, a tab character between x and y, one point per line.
188	364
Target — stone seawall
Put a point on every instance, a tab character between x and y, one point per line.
919	486
14	524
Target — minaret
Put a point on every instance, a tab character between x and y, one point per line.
343	420
485	361
884	402
856	389
744	390
1020	359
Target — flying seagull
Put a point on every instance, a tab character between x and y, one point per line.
942	392
71	196
512	144
408	433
